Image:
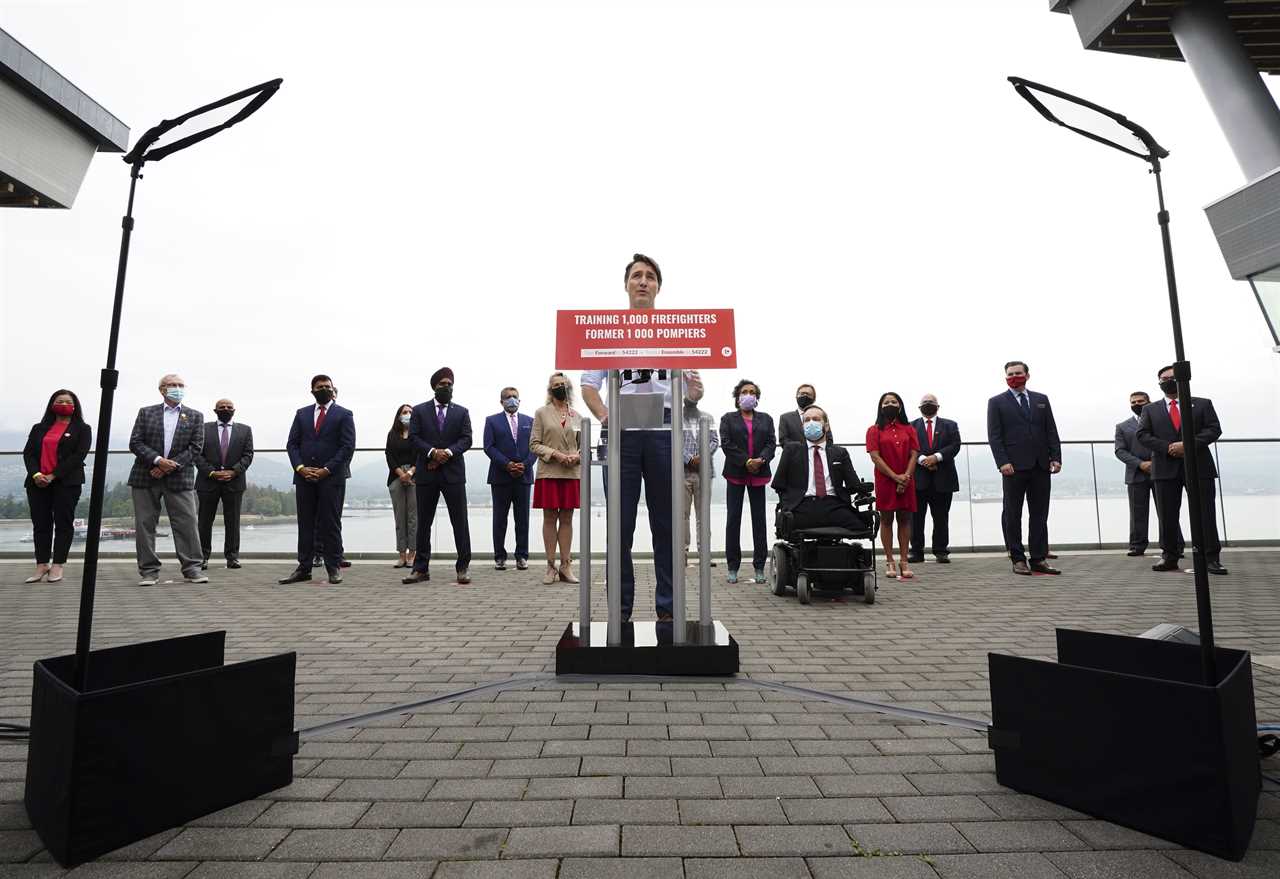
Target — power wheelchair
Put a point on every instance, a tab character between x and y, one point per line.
826	559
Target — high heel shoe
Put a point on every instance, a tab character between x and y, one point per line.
53	579
891	570
37	578
905	573
566	573
550	576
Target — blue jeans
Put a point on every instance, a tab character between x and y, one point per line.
646	456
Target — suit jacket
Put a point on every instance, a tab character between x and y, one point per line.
792	479
733	442
501	448
455	436
946	439
73	447
791	430
239	457
548	437
1132	452
1026	443
1155	431
331	447
147	443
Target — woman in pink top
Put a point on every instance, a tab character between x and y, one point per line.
748	441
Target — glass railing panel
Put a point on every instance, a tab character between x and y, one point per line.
1248	490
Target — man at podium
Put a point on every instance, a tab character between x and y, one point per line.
645	454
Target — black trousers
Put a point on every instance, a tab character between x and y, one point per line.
53	516
938	505
1169	503
1033	486
1140	514
513	497
829	511
230	520
320	519
342	502
455	499
733	525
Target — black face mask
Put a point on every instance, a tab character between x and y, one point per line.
928	410
444	394
1137	408
560	392
1169	387
323	395
804	401
224	415
889	412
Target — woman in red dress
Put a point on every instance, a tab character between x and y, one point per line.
893	444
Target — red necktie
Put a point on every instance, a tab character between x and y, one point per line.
819	475
1175	416
320	419
928	431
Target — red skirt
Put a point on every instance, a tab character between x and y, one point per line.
556	493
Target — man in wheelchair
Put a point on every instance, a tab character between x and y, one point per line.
816	483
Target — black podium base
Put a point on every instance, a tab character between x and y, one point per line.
1124	729
163	733
647	648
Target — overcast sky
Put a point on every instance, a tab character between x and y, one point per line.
433	180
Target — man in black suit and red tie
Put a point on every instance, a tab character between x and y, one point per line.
320	445
441	432
220	469
936	480
815	480
1024	442
1160	430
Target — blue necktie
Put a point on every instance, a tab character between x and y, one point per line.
1026	408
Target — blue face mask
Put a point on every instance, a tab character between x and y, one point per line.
511	404
175	395
406	418
813	431
747	402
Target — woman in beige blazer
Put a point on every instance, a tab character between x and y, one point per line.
556	488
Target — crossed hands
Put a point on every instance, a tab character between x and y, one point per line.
163	468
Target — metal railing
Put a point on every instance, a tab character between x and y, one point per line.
1089	507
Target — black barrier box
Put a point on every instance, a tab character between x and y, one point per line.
162	734
1124	729
647	648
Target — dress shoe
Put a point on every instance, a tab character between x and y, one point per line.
1022	568
344	563
335	576
1134	553
297	576
417	577
915	560
204	566
1043	568
463	577
942	559
1166	565
147	581
522	564
195	577
233	563
500	565
1213	567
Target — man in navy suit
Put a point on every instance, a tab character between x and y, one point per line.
1160	430
1024	441
1137	476
320	445
936	480
506	442
441	432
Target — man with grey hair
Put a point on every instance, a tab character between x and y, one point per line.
166	440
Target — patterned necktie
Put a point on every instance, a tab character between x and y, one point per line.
819	475
1175	416
223	443
320	418
512	419
928	432
440	417
1026	408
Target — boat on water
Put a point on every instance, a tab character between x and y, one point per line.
81	533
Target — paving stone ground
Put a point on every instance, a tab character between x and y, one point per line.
679	779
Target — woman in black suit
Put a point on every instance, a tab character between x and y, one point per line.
54	458
748	441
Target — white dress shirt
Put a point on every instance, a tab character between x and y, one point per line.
937	455
315	415
812	489
171	414
598	379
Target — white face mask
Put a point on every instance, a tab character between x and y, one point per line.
405	419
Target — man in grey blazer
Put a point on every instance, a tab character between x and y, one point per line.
1137	476
227	454
166	440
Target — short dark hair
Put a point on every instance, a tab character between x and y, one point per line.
1021	363
77	417
320	378
902	415
810	387
742	383
1163	368
1139	394
647	260
502	394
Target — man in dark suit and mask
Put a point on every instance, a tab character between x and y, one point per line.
1137	477
936	480
815	481
220	469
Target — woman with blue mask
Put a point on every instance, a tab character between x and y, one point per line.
401	458
748	441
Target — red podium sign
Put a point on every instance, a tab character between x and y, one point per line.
685	338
